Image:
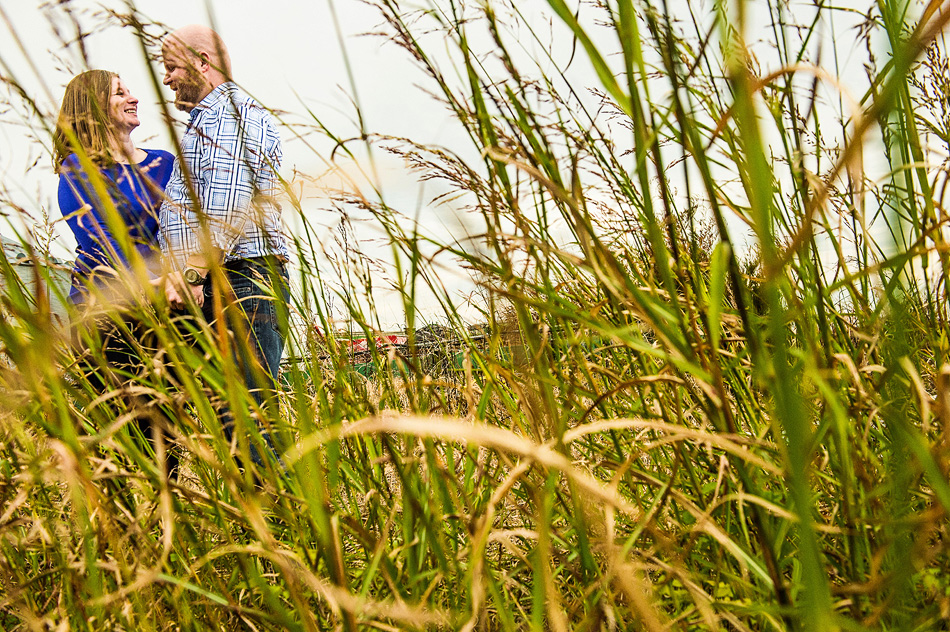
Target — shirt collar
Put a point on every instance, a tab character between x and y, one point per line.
220	93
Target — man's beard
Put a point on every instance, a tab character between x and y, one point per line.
187	95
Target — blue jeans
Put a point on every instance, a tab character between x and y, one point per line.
251	316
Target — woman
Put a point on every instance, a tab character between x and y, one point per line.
109	194
109	189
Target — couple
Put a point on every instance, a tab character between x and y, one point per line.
203	229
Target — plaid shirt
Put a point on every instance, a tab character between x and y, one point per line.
231	152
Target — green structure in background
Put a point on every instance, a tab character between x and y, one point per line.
44	278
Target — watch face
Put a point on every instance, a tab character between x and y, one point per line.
192	277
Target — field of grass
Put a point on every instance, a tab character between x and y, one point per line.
711	390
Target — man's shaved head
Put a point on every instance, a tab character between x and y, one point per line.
196	39
196	62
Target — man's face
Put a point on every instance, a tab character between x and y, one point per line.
182	76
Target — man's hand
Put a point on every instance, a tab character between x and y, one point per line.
179	292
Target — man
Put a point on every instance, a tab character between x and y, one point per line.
220	225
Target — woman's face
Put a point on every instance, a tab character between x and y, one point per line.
123	107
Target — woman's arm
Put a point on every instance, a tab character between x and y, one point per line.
83	210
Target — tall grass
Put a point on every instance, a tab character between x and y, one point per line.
711	392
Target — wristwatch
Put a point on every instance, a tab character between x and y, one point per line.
192	276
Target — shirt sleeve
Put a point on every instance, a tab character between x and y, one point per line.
82	209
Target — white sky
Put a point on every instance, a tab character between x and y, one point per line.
287	53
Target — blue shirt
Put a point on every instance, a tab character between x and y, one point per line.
230	154
135	191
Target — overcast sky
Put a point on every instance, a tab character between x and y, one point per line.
290	55
287	53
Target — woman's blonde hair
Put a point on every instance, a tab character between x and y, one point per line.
84	118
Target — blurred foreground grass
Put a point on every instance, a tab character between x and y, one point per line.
711	389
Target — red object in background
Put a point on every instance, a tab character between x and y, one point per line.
381	342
